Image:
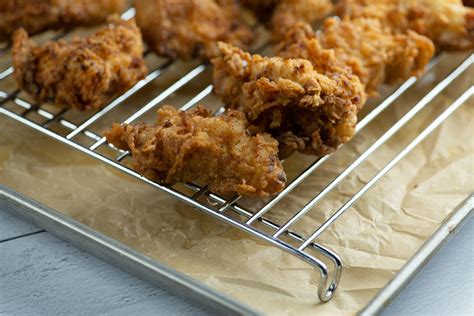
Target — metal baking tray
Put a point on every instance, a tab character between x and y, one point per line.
155	272
118	254
223	208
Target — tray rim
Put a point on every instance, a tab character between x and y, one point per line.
450	226
120	255
153	271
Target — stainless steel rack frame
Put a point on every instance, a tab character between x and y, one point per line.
220	207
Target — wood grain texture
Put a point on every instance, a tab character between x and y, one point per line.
43	275
12	226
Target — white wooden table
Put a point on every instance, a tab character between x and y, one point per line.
42	275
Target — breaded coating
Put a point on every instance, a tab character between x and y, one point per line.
448	23
289	12
301	42
283	14
85	73
375	54
303	109
39	15
191	28
197	147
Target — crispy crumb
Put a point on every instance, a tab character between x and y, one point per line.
303	109
375	54
448	23
191	28
197	147
85	73
40	15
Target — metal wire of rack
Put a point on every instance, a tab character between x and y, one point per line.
218	206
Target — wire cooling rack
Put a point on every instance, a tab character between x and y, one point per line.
282	236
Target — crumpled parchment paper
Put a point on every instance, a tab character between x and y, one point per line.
374	238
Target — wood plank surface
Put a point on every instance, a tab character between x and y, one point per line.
446	285
13	227
42	275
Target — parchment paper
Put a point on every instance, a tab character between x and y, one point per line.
374	238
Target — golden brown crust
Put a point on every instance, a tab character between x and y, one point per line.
191	28
39	15
196	147
84	73
375	54
290	12
301	42
283	14
448	23
288	98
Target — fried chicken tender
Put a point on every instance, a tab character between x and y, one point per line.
301	42
447	22
191	28
85	73
197	147
283	14
39	15
289	12
376	54
303	109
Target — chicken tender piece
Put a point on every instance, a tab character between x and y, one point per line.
191	28
301	42
283	14
448	23
36	16
375	54
303	109
85	73
289	12
197	147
